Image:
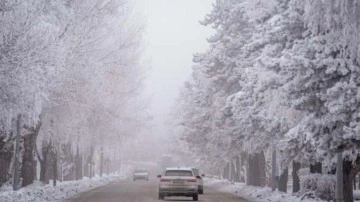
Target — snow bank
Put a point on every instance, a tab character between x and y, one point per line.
41	192
251	193
357	195
318	185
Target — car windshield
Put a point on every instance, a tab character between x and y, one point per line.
196	171
140	171
178	173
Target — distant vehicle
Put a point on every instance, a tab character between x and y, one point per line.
179	182
200	180
141	174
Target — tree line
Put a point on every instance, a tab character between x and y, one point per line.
70	86
278	88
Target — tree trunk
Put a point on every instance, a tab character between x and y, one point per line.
226	171
242	167
237	169
81	170
45	162
108	166
101	161
17	151
6	156
347	181
316	168
55	170
262	168
295	175
256	170
43	177
274	182
86	167
283	180
28	169
78	162
232	170
68	163
91	170
90	162
78	166
350	170
249	178
339	187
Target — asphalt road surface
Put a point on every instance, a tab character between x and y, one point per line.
144	191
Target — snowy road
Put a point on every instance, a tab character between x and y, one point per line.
141	191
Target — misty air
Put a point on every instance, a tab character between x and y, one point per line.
179	100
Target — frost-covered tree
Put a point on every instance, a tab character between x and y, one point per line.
277	71
324	71
30	56
72	70
101	78
240	71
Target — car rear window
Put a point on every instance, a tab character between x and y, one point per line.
178	173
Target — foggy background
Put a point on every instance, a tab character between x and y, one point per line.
173	33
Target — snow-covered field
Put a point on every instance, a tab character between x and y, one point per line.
258	194
39	192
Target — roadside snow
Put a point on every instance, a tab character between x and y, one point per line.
357	195
251	193
39	192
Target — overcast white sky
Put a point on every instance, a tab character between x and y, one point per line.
173	35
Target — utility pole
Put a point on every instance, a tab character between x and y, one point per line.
339	194
17	151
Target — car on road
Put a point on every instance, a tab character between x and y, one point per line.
200	180
141	174
178	182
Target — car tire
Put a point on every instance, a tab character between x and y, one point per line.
161	196
196	197
201	191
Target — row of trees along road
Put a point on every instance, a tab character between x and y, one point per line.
70	76
280	79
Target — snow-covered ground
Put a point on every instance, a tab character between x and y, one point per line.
39	192
357	195
258	194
